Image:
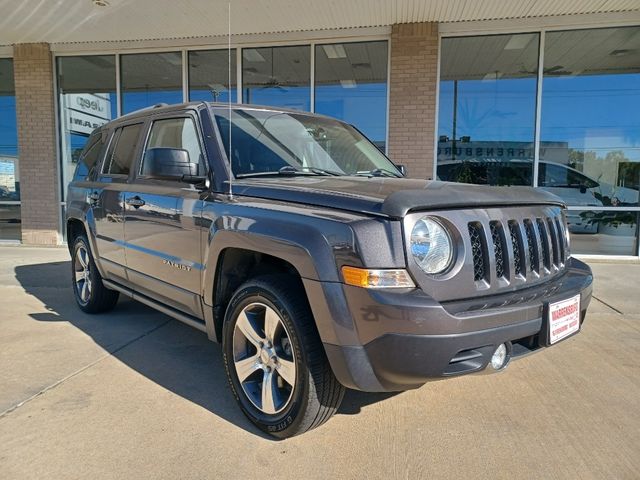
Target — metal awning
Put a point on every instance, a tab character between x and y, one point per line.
61	21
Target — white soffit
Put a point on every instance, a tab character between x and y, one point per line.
64	21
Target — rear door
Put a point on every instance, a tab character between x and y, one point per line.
163	221
107	199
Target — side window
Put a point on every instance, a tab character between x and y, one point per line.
126	139
90	156
177	133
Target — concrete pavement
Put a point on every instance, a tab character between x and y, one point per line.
134	394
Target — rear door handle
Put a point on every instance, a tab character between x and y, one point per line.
135	202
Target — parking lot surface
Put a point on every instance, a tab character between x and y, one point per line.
135	394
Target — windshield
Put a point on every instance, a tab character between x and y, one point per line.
267	143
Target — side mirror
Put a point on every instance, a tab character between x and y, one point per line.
583	188
403	170
168	164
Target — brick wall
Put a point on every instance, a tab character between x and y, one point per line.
412	96
39	189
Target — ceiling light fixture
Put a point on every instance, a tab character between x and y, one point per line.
518	42
334	51
620	53
252	55
101	3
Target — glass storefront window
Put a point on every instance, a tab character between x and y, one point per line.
486	122
150	78
86	100
590	123
278	76
603	232
9	169
351	84
209	75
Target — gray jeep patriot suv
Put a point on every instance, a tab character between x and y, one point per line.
289	238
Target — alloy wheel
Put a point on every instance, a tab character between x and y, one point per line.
263	358
82	271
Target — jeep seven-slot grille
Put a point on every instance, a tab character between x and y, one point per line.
498	248
516	245
478	249
537	246
532	246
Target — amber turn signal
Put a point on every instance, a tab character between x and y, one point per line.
378	278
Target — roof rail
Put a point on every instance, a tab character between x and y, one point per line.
157	105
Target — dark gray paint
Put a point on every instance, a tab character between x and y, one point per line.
317	224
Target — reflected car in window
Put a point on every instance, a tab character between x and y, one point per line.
573	186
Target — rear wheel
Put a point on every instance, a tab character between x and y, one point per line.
275	360
90	293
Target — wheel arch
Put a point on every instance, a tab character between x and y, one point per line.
237	262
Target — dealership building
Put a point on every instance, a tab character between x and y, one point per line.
541	93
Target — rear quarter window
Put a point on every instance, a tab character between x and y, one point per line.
90	156
122	154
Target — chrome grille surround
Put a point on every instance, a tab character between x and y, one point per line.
503	249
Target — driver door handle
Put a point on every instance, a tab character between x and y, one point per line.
135	202
94	197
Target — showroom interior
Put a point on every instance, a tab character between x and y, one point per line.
551	102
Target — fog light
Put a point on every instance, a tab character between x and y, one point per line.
500	357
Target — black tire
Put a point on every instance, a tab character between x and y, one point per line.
97	298
317	394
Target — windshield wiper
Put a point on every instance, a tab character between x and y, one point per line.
322	171
290	171
377	172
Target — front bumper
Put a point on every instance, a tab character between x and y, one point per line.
398	340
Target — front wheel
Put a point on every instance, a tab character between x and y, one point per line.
274	358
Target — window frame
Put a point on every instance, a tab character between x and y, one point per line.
113	142
138	177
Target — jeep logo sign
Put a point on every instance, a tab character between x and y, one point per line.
84	103
85	111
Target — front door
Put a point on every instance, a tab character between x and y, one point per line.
162	223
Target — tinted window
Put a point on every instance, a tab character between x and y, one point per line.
351	84
279	76
209	75
86	101
266	141
590	103
552	175
150	78
125	149
177	133
487	107
90	155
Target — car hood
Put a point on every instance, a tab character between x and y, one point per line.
393	197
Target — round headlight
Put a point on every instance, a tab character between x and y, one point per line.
431	246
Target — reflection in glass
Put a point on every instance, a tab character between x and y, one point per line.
603	232
9	172
9	221
486	122
87	100
351	84
277	76
267	143
149	79
590	121
209	75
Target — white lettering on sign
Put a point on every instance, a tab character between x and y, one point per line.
86	112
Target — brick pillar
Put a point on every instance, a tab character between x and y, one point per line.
412	96
39	181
